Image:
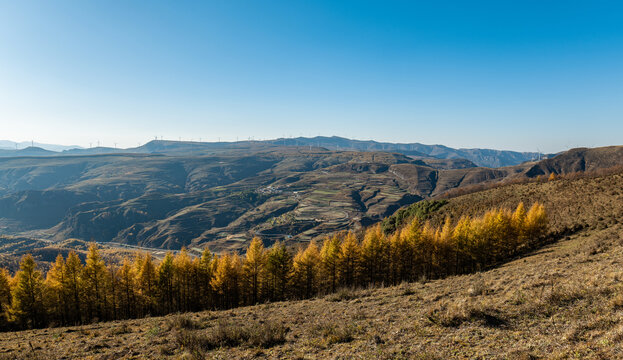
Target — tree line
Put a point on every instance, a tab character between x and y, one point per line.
73	292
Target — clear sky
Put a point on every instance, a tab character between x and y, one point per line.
517	75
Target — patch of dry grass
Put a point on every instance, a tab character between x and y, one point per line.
226	334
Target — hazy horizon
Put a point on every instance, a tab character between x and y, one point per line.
4	143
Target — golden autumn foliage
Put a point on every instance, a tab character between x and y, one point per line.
74	292
253	270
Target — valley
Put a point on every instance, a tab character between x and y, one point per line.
174	198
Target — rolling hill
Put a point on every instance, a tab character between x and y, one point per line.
562	301
223	199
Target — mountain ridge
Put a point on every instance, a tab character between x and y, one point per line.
479	156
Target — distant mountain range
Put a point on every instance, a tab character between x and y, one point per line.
12	145
479	157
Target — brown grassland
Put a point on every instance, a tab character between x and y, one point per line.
562	301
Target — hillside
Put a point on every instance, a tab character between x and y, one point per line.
222	200
561	301
169	202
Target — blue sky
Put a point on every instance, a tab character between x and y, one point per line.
510	75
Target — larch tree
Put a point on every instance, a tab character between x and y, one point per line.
94	283
305	270
127	288
519	222
183	278
27	296
112	292
443	248
206	294
165	284
146	278
73	287
226	280
5	297
461	234
349	260
330	256
57	300
278	270
375	255
399	253
536	222
411	235
253	270
195	285
73	293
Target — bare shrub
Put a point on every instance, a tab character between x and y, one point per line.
123	329
231	334
181	322
333	333
477	288
455	314
564	295
617	301
268	334
192	341
344	294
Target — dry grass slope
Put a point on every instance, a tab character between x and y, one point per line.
563	301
